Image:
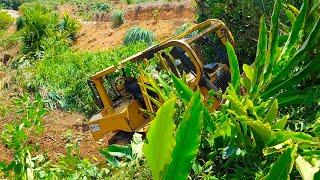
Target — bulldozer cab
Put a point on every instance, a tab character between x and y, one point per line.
119	91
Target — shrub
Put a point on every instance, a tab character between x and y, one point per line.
137	34
102	6
69	26
63	78
185	27
40	24
38	21
5	20
117	17
20	23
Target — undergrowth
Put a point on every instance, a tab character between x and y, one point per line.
62	78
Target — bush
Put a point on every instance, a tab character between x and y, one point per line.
5	20
63	78
117	17
20	23
137	34
102	6
69	26
39	24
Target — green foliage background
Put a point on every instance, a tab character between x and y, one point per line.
242	18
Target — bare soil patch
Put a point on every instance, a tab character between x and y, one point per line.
60	128
97	36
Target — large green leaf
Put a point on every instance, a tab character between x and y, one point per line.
298	97
160	139
272	113
281	123
234	67
262	132
294	34
273	39
260	57
113	151
300	137
188	138
185	93
300	55
281	169
248	71
311	67
290	15
306	170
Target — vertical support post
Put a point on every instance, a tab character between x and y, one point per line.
106	101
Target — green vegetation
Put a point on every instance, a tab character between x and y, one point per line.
24	165
42	28
101	6
5	20
243	24
267	127
137	34
117	17
248	131
63	77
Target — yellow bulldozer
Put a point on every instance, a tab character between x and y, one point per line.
199	54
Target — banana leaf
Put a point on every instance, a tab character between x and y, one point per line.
308	45
294	34
313	66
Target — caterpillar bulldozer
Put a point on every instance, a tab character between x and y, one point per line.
199	54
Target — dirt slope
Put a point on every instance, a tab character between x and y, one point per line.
96	36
